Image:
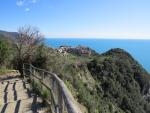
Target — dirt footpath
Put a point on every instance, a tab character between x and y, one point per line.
16	97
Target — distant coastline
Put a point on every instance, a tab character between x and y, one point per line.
138	48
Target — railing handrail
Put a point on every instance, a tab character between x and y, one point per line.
68	98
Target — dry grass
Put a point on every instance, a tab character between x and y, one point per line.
3	71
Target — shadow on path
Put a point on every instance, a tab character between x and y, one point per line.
5	92
4	108
5	97
6	86
24	84
17	106
29	93
15	92
37	105
33	106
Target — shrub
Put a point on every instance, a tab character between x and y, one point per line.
44	95
4	52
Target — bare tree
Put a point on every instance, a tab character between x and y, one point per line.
26	41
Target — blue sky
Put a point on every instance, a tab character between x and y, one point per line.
79	18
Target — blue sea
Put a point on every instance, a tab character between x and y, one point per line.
139	49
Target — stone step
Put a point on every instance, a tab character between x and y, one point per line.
14	87
30	105
16	97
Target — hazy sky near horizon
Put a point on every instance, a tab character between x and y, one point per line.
79	18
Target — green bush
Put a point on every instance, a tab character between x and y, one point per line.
44	94
4	53
4	71
40	57
36	86
39	89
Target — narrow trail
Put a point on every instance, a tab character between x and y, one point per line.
16	97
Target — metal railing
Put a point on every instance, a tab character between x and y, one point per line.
59	98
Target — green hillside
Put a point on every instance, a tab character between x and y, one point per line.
112	82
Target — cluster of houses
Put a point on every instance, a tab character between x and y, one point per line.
79	50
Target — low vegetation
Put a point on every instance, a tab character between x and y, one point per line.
39	89
5	52
4	71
